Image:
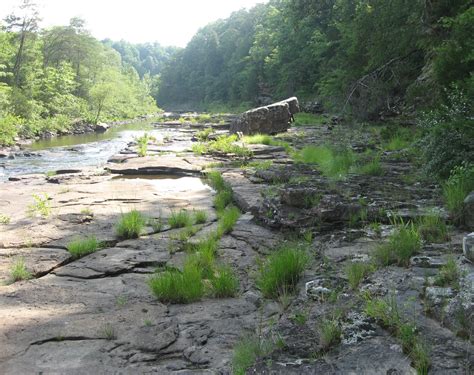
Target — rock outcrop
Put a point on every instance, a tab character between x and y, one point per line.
272	119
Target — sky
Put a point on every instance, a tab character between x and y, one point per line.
169	22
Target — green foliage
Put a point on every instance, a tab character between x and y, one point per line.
130	225
143	144
200	216
356	271
372	168
180	219
432	228
222	145
203	135
224	282
282	271
265	139
401	246
9	126
41	205
222	199
455	190
4	219
247	351
83	246
302	119
178	287
18	270
330	333
334	163
228	218
216	181
448	274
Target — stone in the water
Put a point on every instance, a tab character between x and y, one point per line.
469	211
102	127
468	246
271	119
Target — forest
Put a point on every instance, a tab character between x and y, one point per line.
367	60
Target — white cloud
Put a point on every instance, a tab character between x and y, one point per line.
169	22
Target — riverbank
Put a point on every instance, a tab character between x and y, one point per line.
97	313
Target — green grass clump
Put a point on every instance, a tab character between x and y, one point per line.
372	168
178	287
282	271
204	261
18	270
448	274
222	199
216	181
432	228
386	311
401	246
265	139
397	143
302	119
130	225
222	145
203	135
4	219
455	190
329	333
180	219
247	351
224	283
356	272
227	219
200	217
333	163
83	246
142	143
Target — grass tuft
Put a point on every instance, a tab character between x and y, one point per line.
178	287
200	217
247	351
356	272
282	271
225	283
130	225
448	274
222	199
227	219
83	246
180	219
432	228
18	270
330	333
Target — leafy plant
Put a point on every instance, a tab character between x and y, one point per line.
41	205
130	225
83	246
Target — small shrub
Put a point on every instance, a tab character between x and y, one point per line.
180	219
433	228
41	205
227	219
401	246
200	217
18	270
83	246
282	271
330	333
448	274
224	283
178	287
356	271
130	225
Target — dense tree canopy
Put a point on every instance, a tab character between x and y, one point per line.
363	56
52	78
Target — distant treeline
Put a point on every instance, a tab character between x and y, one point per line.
363	56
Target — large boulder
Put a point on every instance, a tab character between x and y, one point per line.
271	119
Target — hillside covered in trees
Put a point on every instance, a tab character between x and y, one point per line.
363	56
51	79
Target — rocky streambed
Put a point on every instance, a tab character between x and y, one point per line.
97	314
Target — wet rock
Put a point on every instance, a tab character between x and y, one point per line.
468	246
272	119
469	211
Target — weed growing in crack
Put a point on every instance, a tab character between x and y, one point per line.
227	220
433	228
200	216
222	199
180	219
448	274
356	272
329	333
224	282
41	205
108	332
130	225
18	270
247	351
4	219
282	271
80	247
